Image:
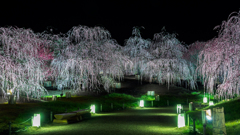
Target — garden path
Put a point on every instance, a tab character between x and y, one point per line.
133	121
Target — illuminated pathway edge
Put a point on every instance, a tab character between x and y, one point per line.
140	121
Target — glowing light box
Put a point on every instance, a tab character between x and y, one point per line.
205	100
179	106
211	103
36	120
209	114
151	93
92	108
141	103
181	120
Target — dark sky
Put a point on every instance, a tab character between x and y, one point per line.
192	20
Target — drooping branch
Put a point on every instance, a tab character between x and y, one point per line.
168	65
88	52
22	71
219	60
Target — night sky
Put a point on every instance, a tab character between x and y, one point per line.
190	19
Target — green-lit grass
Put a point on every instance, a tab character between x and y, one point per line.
21	112
50	96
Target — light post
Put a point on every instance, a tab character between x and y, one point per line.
92	108
36	120
141	103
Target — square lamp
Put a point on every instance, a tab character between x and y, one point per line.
204	99
181	120
179	106
141	103
151	93
36	120
211	103
92	108
209	114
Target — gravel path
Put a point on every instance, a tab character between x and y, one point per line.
133	121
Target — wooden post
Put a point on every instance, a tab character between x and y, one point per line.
51	116
191	106
188	120
219	121
9	127
11	99
203	117
204	129
157	98
137	77
209	98
68	95
152	103
101	107
194	128
111	105
185	117
54	98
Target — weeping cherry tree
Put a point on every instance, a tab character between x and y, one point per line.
89	59
219	60
168	66
135	48
23	57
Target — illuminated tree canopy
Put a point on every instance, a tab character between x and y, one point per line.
167	64
23	59
219	60
89	52
86	58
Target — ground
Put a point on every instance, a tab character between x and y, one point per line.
147	120
134	121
